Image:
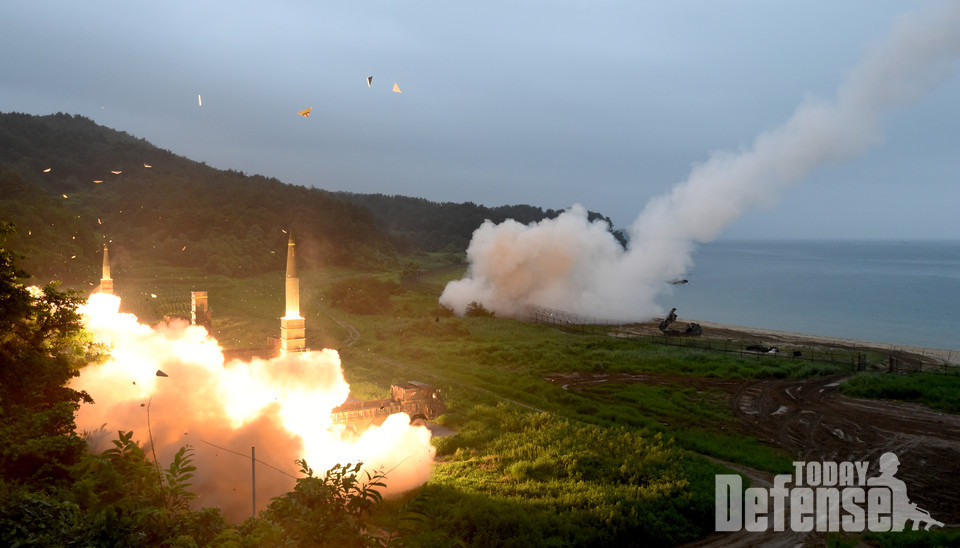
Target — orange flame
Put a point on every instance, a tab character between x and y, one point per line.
280	405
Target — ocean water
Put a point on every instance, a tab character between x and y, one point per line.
894	292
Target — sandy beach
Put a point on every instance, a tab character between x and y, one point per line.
774	338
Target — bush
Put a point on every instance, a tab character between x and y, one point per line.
324	511
363	295
36	519
941	392
475	309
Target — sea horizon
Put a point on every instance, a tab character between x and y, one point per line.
899	292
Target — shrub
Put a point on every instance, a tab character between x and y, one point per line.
475	309
324	511
363	295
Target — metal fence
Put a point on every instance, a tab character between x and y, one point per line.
150	307
851	356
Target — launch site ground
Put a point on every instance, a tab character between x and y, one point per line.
559	437
810	419
929	357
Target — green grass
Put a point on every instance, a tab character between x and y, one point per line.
898	539
531	464
939	392
515	478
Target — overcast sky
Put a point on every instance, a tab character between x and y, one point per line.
602	103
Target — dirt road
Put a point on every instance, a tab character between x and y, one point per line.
812	420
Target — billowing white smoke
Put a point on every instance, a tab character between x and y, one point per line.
574	265
559	260
280	406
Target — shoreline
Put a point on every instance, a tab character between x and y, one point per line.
773	337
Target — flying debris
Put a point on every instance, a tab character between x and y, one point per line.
116	172
305	112
184	248
147	165
369	81
154	295
47	170
199	100
98	182
64	195
98	221
161	374
396	88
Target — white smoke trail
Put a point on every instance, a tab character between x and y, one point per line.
572	264
280	406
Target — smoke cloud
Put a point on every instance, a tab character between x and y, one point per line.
279	406
572	264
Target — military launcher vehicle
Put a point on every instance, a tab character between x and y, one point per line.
420	401
693	329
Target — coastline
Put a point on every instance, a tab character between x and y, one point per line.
885	293
773	337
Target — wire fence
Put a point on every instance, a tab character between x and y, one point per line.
851	356
155	306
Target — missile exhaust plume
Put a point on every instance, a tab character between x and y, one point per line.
281	406
572	264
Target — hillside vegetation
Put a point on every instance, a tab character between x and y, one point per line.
175	212
71	185
528	462
429	226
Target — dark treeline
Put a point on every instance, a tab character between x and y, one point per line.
176	212
71	185
447	226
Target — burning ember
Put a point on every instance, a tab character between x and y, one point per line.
280	406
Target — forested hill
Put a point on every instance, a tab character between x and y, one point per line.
447	226
174	212
70	185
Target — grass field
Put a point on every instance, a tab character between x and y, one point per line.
940	392
530	464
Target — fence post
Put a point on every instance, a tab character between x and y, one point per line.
253	477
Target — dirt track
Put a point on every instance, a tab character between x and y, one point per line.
811	419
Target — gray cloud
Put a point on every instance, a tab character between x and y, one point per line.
606	104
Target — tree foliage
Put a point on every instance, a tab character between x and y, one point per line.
54	492
177	212
325	511
476	309
126	500
184	213
422	225
41	348
362	295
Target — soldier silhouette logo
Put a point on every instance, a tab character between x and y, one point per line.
902	510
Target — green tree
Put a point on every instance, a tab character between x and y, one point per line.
410	273
363	295
42	346
324	511
127	500
476	309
